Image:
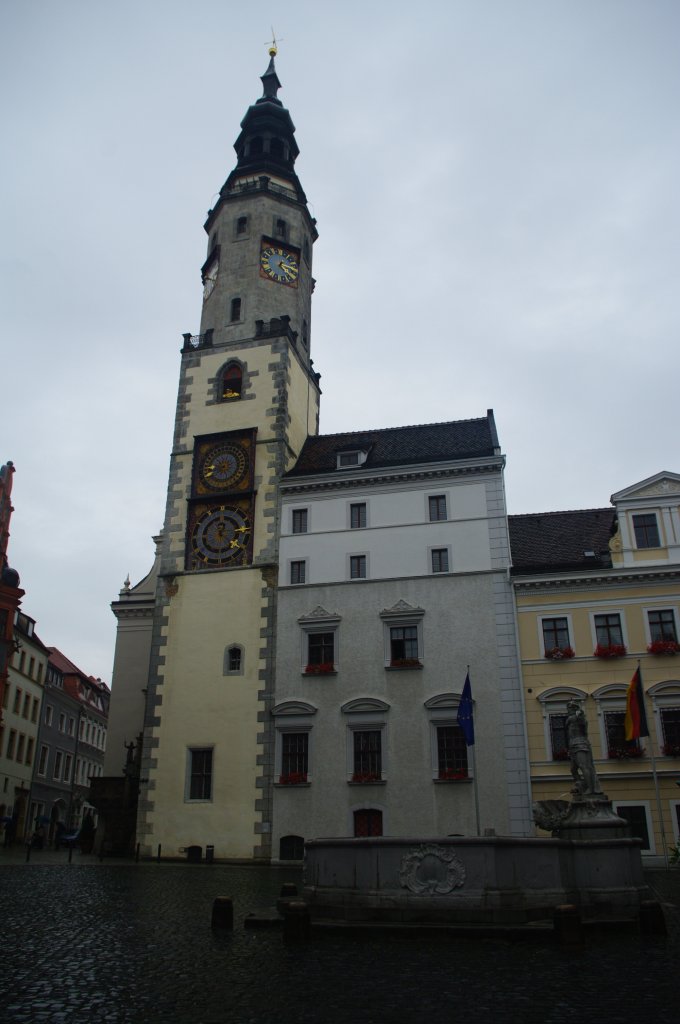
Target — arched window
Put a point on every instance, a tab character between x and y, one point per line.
276	148
232	382
233	660
256	146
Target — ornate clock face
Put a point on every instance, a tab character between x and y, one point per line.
224	466
220	537
210	279
279	265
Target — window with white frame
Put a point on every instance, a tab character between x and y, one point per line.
555	630
449	752
58	761
611	709
300	520
298	571
553	703
403	635
293	748
639	821
357	567
436	504
608	630
199	777
319	641
357	515
666	702
366	719
42	760
663	632
233	660
439	559
646	530
347	459
367	821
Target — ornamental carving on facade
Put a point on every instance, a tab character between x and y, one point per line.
431	870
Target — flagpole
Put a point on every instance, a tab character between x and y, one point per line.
476	789
656	783
466	721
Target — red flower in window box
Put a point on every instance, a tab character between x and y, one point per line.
610	651
293	779
558	653
671	750
663	647
366	777
406	663
625	753
453	774
324	668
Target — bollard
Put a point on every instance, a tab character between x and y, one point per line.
297	925
222	913
567	923
209	854
288	892
651	918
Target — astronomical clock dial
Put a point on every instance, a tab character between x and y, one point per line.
219	537
224	466
210	279
280	265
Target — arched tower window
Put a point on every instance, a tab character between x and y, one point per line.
256	146
233	660
232	382
276	148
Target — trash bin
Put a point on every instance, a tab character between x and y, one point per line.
194	854
209	854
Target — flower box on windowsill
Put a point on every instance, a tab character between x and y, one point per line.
293	779
625	753
663	647
453	775
559	653
610	651
366	779
671	750
406	663
561	755
324	668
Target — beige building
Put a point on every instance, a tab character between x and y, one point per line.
597	593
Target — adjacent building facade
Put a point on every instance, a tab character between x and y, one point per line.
598	594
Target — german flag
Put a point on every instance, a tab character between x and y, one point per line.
636	719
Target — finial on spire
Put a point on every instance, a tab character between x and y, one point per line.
272	47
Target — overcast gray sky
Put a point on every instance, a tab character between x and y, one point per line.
496	188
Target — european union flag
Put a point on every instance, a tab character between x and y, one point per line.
464	718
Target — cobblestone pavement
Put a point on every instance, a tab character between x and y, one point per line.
132	944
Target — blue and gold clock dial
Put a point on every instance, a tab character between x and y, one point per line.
219	536
224	466
279	264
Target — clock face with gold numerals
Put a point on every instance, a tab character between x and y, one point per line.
219	537
224	466
279	264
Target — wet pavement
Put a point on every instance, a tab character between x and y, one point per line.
132	944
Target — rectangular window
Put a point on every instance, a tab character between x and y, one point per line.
403	643
368	822
662	625
367	755
452	760
636	816
294	757
608	630
29	751
200	773
31	667
348	459
71	726
62	722
321	648
440	560
241	225
235	310
559	746
20	747
26	710
11	743
437	507
357	515
297	572
357	567
299	520
17	701
35	709
646	531
48	714
618	746
42	763
670	727
67	768
555	634
58	759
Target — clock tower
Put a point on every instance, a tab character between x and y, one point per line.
248	398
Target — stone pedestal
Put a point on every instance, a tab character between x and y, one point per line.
591	817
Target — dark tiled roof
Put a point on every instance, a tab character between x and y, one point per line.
557	541
401	446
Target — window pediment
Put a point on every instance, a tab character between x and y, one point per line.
561	694
363	704
319	617
402	610
293	707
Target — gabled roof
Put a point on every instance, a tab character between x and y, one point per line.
545	542
401	446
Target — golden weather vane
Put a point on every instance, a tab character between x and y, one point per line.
273	47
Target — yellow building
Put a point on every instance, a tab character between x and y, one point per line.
598	593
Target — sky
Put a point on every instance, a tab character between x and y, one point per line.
496	189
